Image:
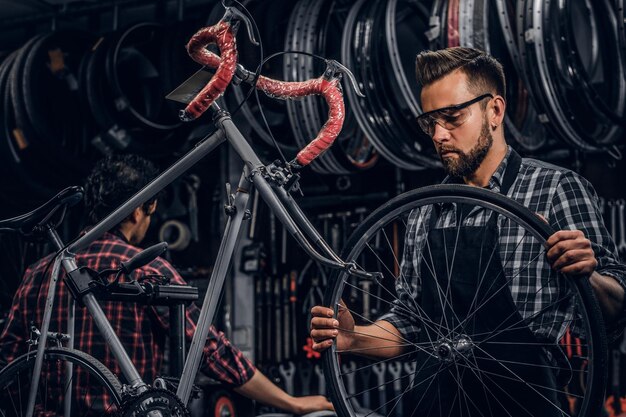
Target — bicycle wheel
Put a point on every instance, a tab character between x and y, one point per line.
567	329
95	390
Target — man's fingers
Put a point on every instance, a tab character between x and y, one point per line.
319	335
321	346
321	311
323	323
562	246
580	268
573	256
563	235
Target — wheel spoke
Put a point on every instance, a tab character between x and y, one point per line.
460	349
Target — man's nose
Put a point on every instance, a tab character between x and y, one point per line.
440	134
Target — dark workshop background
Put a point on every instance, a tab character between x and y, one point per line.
83	79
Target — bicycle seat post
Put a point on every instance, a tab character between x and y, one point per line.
54	237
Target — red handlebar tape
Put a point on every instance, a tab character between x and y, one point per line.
222	34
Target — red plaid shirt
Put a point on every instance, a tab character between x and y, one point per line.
140	328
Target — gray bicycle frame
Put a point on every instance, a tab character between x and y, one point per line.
253	175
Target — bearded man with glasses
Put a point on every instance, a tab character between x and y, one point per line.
463	101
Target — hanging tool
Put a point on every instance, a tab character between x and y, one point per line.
349	371
258	328
321	382
293	299
287	371
395	370
305	372
193	185
379	369
366	373
277	310
286	325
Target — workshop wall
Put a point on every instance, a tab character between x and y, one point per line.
80	80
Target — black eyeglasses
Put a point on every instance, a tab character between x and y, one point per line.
449	117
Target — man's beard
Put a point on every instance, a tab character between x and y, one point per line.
466	164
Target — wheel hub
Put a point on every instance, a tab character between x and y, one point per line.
449	350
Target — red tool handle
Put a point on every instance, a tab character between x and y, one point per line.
326	86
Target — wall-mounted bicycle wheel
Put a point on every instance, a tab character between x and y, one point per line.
449	352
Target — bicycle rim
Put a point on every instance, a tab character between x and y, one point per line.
578	350
94	389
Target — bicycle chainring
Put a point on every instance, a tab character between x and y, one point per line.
154	402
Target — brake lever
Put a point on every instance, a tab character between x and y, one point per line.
334	67
234	15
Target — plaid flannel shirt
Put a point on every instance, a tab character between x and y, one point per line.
566	200
141	329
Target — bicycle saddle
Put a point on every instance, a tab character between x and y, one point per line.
27	224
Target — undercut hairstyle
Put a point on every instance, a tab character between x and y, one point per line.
113	180
484	73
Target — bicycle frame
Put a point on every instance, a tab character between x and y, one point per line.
254	175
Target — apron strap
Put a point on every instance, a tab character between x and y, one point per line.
510	174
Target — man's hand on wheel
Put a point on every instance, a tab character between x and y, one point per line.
325	328
570	252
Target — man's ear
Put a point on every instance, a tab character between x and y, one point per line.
135	215
498	107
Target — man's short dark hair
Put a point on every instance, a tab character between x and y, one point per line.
113	180
484	72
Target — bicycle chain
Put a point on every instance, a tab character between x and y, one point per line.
154	400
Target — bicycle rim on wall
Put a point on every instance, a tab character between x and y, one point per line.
313	28
550	71
380	65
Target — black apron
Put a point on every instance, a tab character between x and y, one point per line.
472	372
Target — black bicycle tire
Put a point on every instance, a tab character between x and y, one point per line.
405	139
274	110
135	116
540	63
320	17
358	105
17	161
352	138
306	33
405	107
69	154
94	367
291	72
614	112
19	107
32	156
529	134
605	131
381	108
432	194
98	97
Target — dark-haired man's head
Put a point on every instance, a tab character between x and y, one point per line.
463	101
112	181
